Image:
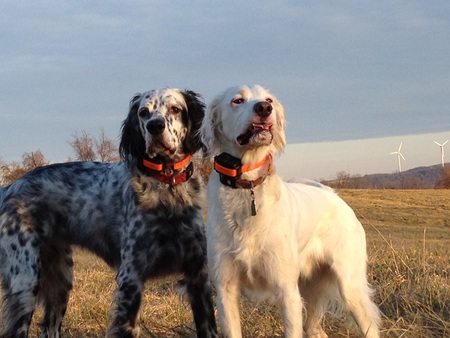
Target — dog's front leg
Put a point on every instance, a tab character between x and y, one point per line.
200	298
125	322
227	305
291	310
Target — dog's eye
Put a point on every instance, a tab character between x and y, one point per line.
175	110
269	100
238	101
144	113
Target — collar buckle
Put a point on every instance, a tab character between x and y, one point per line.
178	172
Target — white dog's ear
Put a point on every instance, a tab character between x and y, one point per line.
279	140
210	123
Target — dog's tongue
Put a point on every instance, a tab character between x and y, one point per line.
254	129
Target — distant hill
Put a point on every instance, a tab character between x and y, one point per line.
416	178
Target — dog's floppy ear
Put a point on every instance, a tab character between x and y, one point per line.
132	144
279	140
210	124
195	115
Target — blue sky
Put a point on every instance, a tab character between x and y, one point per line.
344	70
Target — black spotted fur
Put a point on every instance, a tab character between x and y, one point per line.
138	225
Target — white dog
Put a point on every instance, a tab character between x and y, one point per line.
299	244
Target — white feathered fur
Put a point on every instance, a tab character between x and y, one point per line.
305	248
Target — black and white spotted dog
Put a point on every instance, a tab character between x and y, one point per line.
143	216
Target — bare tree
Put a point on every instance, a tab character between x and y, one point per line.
204	165
33	160
83	146
88	148
3	166
342	179
13	171
107	150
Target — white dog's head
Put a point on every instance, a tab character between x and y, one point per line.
246	122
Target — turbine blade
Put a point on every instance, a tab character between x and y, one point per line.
402	156
443	144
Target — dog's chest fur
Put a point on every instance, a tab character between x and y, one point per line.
176	197
251	240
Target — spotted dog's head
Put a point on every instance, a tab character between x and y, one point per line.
162	123
246	122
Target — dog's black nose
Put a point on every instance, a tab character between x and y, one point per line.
262	108
156	126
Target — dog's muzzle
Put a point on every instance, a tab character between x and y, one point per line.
260	130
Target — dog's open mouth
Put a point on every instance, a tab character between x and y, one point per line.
255	131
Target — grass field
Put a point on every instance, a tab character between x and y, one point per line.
408	240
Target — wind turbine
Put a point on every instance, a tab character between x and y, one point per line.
442	151
399	156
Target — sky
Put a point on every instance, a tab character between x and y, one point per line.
346	71
324	160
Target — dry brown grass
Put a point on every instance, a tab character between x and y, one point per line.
408	237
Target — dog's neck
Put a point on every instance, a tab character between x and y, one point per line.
234	174
169	172
237	176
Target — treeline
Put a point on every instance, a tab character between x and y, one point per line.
434	177
85	147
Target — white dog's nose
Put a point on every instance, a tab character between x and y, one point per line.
262	108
